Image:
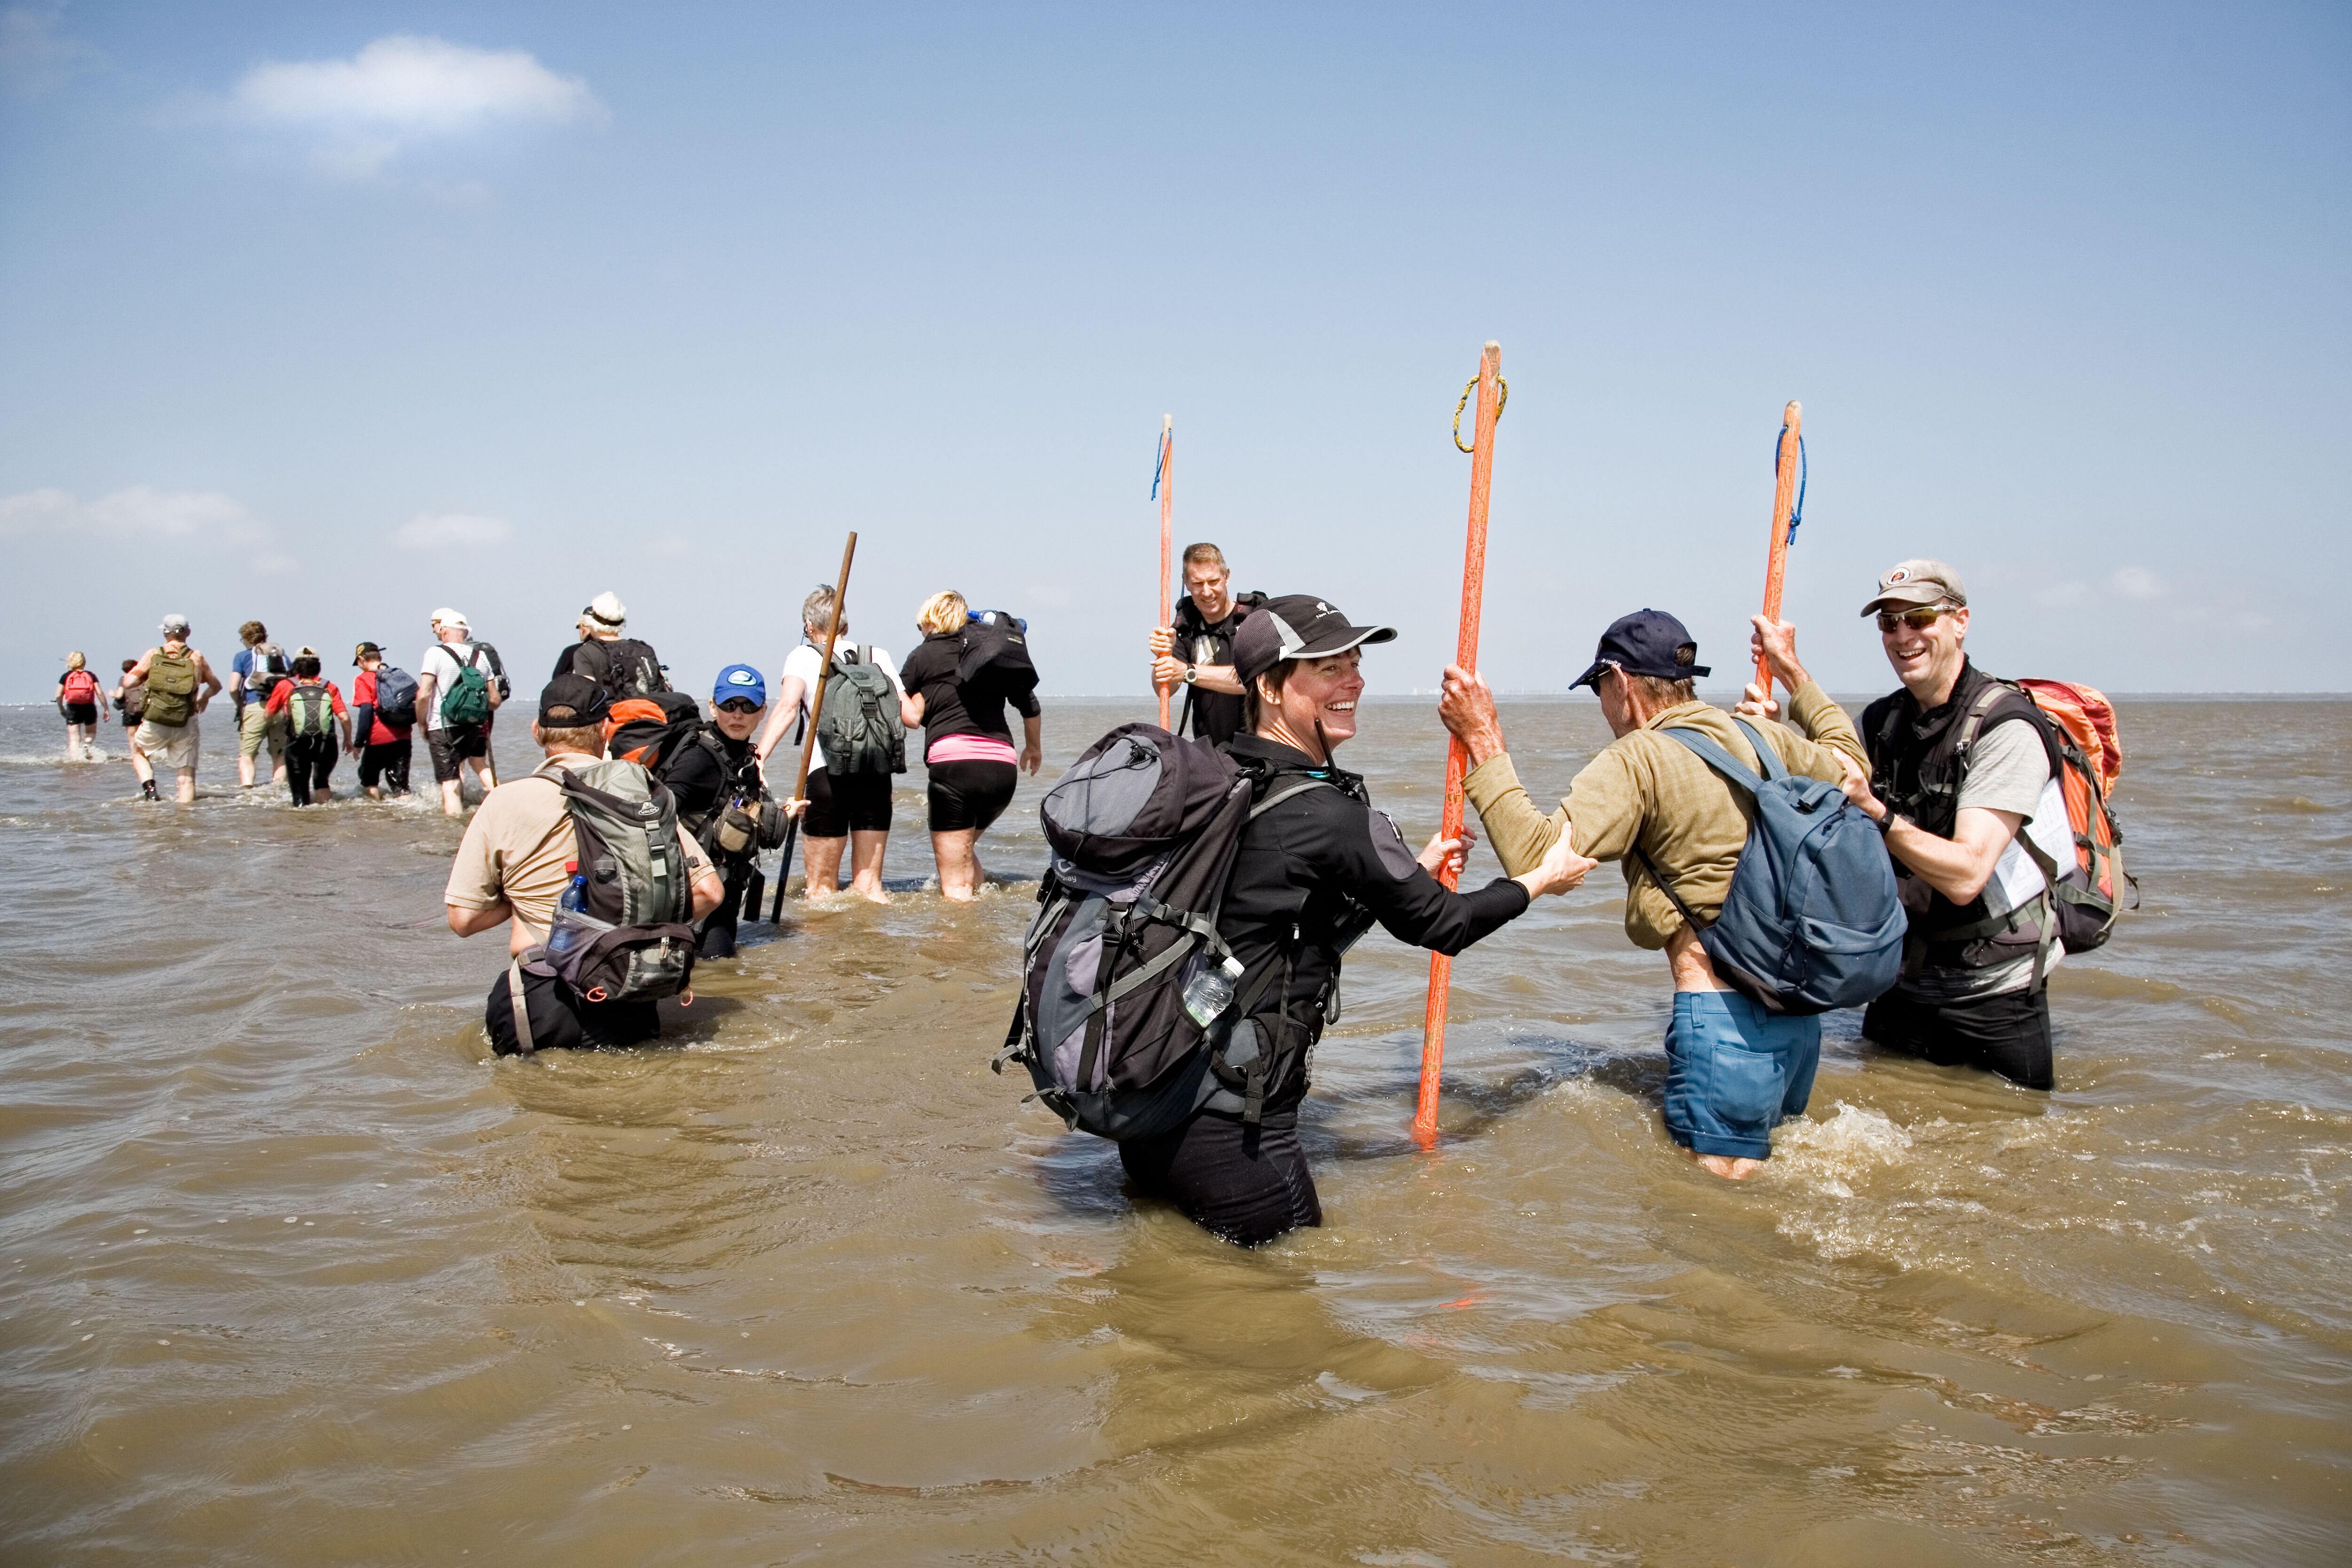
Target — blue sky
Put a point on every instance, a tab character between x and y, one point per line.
332	313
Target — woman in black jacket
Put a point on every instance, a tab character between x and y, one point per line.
1312	874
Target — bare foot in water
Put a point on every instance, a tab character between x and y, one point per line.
1732	1168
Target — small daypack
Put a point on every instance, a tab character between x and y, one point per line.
859	727
1144	827
1812	920
269	668
634	942
310	711
80	688
997	639
2087	758
468	701
171	689
646	729
395	698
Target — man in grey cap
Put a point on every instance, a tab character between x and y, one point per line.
1964	773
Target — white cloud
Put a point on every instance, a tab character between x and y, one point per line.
450	529
2137	583
34	57
138	511
404	87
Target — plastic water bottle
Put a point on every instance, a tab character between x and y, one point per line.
564	935
1209	993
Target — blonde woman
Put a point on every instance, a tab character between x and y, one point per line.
967	741
78	695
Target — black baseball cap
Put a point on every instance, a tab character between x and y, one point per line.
1296	625
572	702
366	651
1647	641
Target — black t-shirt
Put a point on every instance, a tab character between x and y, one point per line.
952	707
1214	716
695	778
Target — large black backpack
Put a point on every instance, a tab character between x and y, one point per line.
1144	828
998	640
622	667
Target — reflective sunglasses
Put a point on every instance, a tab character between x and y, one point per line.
1919	620
739	705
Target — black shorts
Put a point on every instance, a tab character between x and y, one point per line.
81	712
386	765
969	795
2008	1034
840	804
451	745
560	1018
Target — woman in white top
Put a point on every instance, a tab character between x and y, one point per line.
845	810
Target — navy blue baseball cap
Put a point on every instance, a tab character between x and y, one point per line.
740	681
1647	641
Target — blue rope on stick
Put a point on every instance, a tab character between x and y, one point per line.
1160	467
1796	511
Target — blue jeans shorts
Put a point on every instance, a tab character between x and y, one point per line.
1734	1071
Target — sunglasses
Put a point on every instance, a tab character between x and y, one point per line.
739	705
1919	620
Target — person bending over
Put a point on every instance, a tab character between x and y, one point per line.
1734	1069
1311	876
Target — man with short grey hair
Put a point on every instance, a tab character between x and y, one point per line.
1964	773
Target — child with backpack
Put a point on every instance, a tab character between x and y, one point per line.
318	727
383	703
77	700
1764	926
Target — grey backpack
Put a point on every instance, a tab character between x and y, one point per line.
860	728
633	941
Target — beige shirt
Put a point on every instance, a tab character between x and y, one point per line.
515	850
1649	789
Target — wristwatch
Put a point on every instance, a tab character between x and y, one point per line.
1886	823
1191	673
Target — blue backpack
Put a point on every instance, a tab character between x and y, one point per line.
1812	921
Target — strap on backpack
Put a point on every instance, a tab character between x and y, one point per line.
524	1044
1723	762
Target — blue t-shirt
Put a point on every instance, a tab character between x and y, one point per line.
241	665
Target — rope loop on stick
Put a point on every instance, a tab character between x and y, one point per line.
1502	396
1797	510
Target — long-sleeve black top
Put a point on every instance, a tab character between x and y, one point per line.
1320	868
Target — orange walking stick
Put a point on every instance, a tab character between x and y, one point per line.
1491	393
1788	510
817	707
1163	484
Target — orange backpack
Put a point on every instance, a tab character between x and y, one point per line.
2091	759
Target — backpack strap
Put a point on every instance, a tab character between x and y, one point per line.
1689	916
524	1044
1723	762
1270	802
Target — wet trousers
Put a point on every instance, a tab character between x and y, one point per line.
1245	1185
716	938
310	764
2008	1034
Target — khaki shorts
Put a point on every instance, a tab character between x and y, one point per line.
257	726
167	747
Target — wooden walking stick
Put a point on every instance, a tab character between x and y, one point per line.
1491	393
1788	510
1163	484
817	707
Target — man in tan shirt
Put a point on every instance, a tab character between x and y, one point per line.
510	864
1733	1068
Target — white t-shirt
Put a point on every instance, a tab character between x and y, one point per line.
803	662
442	662
2007	771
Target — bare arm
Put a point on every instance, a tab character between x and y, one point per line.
786	708
473	923
911	710
708	887
212	683
1958	866
1033	753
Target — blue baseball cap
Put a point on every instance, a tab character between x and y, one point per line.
1647	641
740	681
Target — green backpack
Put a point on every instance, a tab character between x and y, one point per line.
310	710
468	701
860	728
171	689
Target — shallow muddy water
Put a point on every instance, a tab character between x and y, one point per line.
292	1272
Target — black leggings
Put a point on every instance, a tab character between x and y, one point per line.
310	764
2008	1034
1245	1185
